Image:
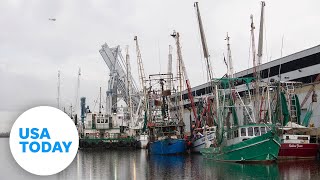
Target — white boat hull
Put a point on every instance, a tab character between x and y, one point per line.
200	143
142	141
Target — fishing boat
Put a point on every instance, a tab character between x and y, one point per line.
296	141
170	142
102	130
165	129
240	138
203	138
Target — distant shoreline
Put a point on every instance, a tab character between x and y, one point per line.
4	135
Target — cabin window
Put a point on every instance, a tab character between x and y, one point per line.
256	131
303	138
263	130
236	133
243	132
98	120
250	131
287	137
106	121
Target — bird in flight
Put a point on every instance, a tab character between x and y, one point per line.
52	19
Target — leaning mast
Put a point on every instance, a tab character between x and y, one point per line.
204	43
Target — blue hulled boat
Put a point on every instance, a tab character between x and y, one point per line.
165	128
168	146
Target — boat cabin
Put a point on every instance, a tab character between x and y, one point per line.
292	138
242	133
98	121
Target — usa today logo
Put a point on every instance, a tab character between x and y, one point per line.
44	140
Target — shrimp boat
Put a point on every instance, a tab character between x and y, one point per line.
204	139
240	138
165	129
296	141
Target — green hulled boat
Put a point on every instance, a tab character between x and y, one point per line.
251	143
242	135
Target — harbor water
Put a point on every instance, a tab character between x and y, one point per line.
138	165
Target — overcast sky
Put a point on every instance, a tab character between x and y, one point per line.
33	49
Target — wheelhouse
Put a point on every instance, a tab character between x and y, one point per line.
243	133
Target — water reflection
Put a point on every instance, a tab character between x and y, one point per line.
111	164
222	170
138	165
299	169
167	167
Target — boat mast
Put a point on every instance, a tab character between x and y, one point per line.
179	73
77	91
230	66
260	49
170	74
204	44
260	44
169	66
100	102
142	76
58	99
128	82
253	47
